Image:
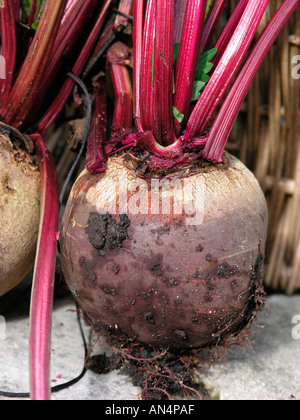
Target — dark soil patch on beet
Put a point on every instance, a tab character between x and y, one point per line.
103	230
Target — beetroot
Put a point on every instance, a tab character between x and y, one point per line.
171	280
19	213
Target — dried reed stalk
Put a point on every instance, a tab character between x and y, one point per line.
267	138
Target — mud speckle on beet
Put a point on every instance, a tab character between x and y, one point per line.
173	282
199	248
208	257
181	334
149	317
108	291
116	269
226	271
156	266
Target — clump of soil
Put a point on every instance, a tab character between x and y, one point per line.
160	374
103	230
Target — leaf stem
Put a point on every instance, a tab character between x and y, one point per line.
32	13
95	155
228	31
138	10
26	88
146	84
163	73
68	35
211	22
227	68
43	280
57	105
9	49
122	119
187	58
122	22
228	113
180	11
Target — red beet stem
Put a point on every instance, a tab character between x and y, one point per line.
43	280
227	68
138	9
211	22
70	30
180	9
147	142
26	88
95	155
16	6
106	39
56	107
146	82
125	8
228	113
122	119
9	49
228	31
188	58
163	73
32	13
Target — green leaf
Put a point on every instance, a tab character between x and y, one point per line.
205	57
176	52
35	25
208	7
177	114
26	9
197	90
26	6
203	68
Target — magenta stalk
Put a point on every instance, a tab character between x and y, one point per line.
9	48
188	58
26	88
146	73
56	107
122	119
95	154
138	10
43	280
228	113
227	68
211	22
163	73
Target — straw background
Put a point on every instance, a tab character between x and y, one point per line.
266	138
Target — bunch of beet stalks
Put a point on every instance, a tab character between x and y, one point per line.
168	118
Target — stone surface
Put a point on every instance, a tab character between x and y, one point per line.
270	372
67	360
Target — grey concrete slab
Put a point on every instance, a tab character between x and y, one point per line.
271	371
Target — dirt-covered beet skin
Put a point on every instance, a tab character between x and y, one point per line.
157	278
19	213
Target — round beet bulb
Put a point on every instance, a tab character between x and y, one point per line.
174	261
19	213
